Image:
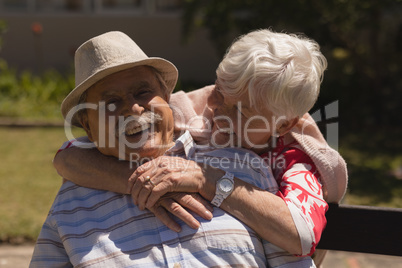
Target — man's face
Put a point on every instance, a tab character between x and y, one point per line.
132	119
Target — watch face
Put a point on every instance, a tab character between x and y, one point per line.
226	185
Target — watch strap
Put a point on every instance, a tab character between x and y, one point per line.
219	195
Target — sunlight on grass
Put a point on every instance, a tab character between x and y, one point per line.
29	182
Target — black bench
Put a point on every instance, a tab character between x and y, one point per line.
363	229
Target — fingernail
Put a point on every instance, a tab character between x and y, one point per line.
177	229
208	214
195	224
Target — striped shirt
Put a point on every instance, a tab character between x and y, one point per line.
93	228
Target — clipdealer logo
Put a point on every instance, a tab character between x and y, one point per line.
326	118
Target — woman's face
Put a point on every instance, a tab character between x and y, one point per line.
237	124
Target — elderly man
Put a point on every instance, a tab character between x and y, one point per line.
120	100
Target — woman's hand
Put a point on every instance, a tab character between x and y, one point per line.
168	174
160	186
175	203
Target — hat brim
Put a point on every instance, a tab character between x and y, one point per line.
167	70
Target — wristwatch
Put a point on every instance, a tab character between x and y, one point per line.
224	187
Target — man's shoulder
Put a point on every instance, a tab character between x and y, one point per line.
72	196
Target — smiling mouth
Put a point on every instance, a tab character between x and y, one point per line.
136	130
134	126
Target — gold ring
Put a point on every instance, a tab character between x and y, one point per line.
147	178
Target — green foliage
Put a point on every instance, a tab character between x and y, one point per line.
362	40
3	28
32	96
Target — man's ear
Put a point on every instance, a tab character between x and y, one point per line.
286	125
85	125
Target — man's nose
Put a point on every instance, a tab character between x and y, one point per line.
137	109
134	107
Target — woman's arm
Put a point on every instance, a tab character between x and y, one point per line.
280	218
90	168
264	212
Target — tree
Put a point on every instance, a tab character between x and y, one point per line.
3	28
362	40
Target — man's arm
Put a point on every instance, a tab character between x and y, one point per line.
49	250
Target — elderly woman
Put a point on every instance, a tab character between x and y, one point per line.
265	85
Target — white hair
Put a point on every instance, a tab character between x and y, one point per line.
282	72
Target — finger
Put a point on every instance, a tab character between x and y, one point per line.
176	209
144	192
140	171
195	203
169	183
137	179
132	181
165	218
137	173
136	189
157	192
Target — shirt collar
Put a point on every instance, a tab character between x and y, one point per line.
184	145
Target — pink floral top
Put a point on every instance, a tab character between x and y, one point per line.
300	187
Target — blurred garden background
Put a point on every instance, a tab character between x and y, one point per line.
362	40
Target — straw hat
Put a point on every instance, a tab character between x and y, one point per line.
104	55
